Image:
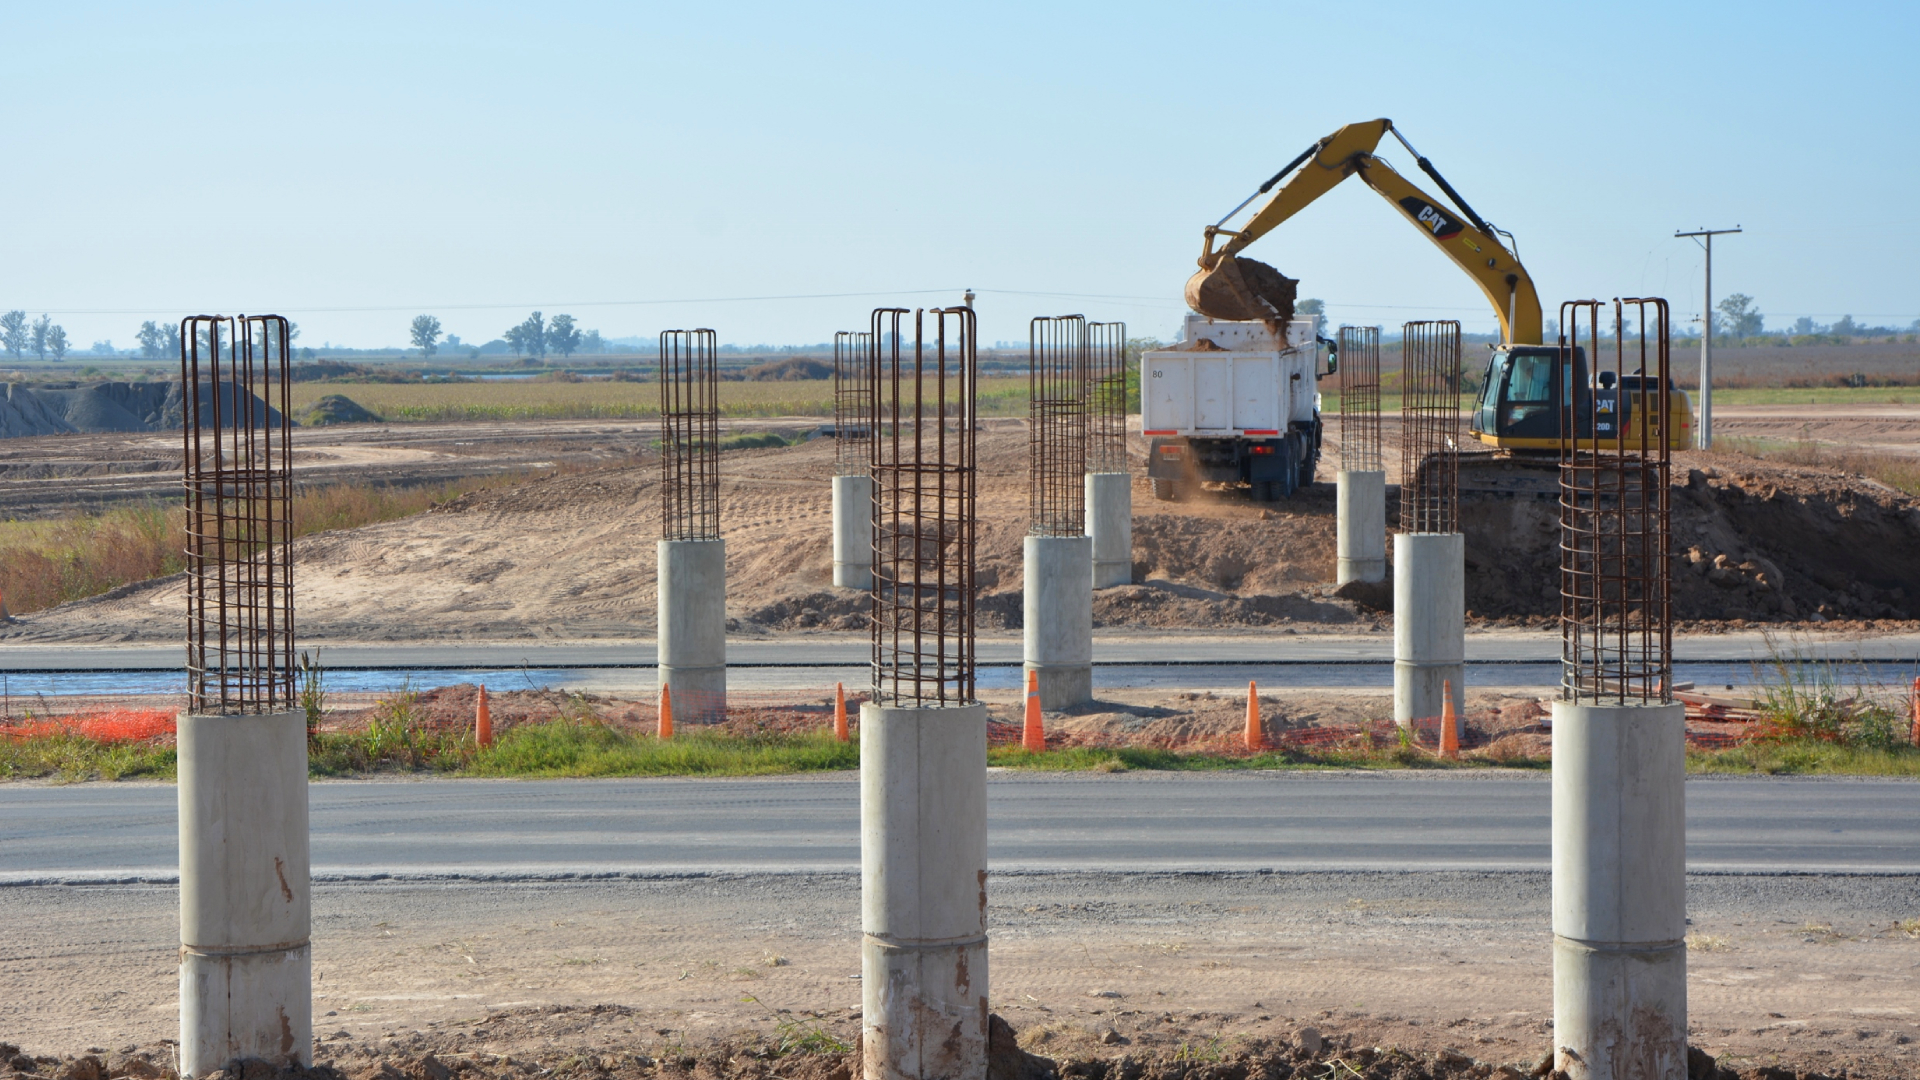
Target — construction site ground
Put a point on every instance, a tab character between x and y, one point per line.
571	556
1814	971
522	978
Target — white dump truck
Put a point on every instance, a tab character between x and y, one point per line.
1232	403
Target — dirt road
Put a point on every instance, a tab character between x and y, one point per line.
1811	967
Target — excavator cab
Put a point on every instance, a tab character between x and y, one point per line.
1522	395
1527	386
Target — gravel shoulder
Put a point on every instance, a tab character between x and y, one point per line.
1805	969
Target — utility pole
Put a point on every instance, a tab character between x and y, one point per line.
1705	425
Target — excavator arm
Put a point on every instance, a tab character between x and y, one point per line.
1461	234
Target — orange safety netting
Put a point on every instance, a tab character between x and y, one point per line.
111	726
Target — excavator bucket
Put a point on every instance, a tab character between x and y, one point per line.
1242	290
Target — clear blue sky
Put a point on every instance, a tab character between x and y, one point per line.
352	165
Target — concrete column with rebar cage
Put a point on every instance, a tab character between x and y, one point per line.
245	953
1109	485
1361	487
1057	599
1619	739
1429	552
923	736
692	630
852	460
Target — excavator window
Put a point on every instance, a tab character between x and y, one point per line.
1529	401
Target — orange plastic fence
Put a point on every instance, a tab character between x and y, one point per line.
110	726
132	718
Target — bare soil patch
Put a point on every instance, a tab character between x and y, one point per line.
1113	977
572	556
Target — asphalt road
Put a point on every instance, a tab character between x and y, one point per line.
534	830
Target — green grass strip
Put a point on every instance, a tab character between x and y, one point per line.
569	748
573	748
69	759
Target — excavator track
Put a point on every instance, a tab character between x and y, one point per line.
1517	476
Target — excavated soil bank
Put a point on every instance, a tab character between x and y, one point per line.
1753	542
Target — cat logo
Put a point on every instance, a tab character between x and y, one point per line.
1436	221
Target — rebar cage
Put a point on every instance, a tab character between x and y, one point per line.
689	436
924	507
1057	429
1107	387
238	467
1430	427
852	403
1360	398
1616	616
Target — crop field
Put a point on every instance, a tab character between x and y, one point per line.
592	400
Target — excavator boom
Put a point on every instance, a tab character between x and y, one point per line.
1459	233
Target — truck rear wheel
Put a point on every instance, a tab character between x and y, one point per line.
1282	485
1167	490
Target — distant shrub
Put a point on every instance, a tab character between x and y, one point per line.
759	440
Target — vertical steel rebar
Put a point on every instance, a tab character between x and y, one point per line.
1430	428
924	508
1616	616
852	403
1057	387
1107	389
689	436
1360	398
237	465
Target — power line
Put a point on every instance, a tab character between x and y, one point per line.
529	305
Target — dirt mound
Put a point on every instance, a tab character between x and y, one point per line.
836	609
792	369
23	413
1752	541
337	409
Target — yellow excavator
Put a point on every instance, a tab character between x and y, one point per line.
1520	406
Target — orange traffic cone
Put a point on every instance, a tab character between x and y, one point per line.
1256	733
666	712
483	721
1033	737
1449	726
840	712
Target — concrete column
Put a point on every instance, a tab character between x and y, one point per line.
1361	523
1429	623
1110	523
853	532
246	968
1619	891
692	637
1057	606
923	892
